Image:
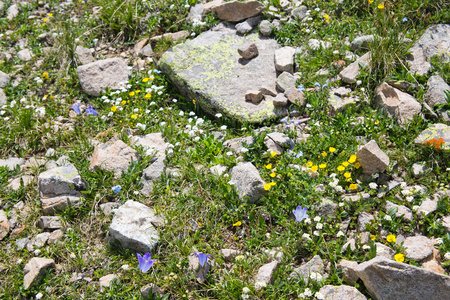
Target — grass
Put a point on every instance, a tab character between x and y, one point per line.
203	212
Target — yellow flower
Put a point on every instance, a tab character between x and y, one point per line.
347	174
345	163
357	165
341	168
272	183
372	237
238	223
45	75
331	149
322	166
273	174
399	257
353	186
370	1
50	15
391	238
380	6
377	122
113	108
352	158
314	168
133	116
145	79
349	179
193	101
45	20
267	186
268	166
147	96
131	93
137	91
309	164
123	102
327	18
273	153
45	96
324	154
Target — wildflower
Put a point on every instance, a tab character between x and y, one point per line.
145	262
357	165
405	19
273	153
203	258
410	198
113	108
301	88
316	233
391	238
345	163
314	168
327	18
309	164
316	219
244	150
300	213
370	1
372	237
45	75
260	284
223	127
331	149
268	166
373	185
181	113
141	126
366	247
322	166
76	108
45	20
380	6
229	153
133	116
299	154
388	218
375	176
148	95
439	241
145	79
245	290
116	189
308	221
415	207
317	84
131	93
447	255
238	223
352	159
218	115
319	296
39	296
162	124
353	186
319	226
273	174
347	175
436	143
306	236
91	111
340	233
399	257
267	186
324	154
358	82
341	168
341	204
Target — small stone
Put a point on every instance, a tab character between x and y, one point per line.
277	141
418	248
436	87
229	254
21	243
85	55
428	206
280	101
4	225
106	280
446	223
265	273
236	11
12	12
171	36
342	292
349	270
361	42
247	181
418	170
276	254
35	269
147	50
151	290
55	236
218	170
4	79
265	28
248	51
349	74
286	81
304	271
383	250
25	55
11	163
363	219
349	245
52	223
284	59
299	12
401	211
194	266
3	98
109	207
254	96
372	158
295	97
317	44
38	241
243	28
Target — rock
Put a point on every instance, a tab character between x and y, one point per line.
295	97
132	227
284	59
383	250
58	203
3	98
390	280
243	28
342	292
218	170
152	290
194	266
235	11
154	171
4	79
428	206
116	157
265	273
38	241
105	281
435	132
265	28
276	254
4	225
363	219
315	265
64	180
248	50
401	211
286	81
349	245
349	74
12	12
229	254
253	96
361	42
35	269
418	170
204	68
152	143
238	143
51	223
280	101
372	158
348	267
21	243
12	163
147	50
396	104
175	36
434	41
418	247
446	223
277	141
25	55
85	55
247	181
338	104
96	76
55	236
299	12
109	207
435	91
326	207
434	266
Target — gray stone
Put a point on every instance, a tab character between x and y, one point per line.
12	12
372	158
4	225
304	271
340	104
116	157
58	203
247	181
390	280
446	223
35	269
206	67
385	251
3	98
295	97
4	79
401	211
38	241
96	76
12	162
349	74
253	96
55	236
64	180
363	219
171	36
152	290
109	207
326	207
154	171
243	28
361	42
132	227
348	268
280	101
276	254
265	273
51	223
284	59
435	91
85	55
342	292
436	131
418	170
229	254
25	55
265	28
286	81
152	143
277	141
218	170
22	243
248	50
106	280
299	12
147	50
396	104
238	143
434	41
194	266
428	206
236	11
418	248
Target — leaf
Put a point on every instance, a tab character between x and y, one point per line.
392	211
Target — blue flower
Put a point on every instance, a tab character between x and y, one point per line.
405	19
324	86
145	262
76	108
157	71
116	189
301	88
299	154
202	258
284	120
317	84
91	111
300	213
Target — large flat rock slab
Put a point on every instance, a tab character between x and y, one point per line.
437	135
209	70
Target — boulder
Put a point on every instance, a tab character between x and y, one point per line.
96	76
437	135
372	158
235	11
418	247
132	227
435	91
396	104
206	67
35	269
386	279
245	176
349	74
342	292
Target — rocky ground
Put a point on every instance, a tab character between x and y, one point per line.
224	150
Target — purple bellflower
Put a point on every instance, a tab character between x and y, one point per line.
76	108
91	111
202	258
145	262
300	213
